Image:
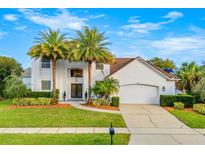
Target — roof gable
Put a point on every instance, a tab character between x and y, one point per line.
122	62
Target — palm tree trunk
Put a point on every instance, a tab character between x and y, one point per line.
89	82
54	77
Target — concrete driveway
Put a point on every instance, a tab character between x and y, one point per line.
151	124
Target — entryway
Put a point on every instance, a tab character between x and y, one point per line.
76	90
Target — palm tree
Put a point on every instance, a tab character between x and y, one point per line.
107	87
52	45
91	47
190	74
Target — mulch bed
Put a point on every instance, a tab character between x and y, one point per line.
104	107
42	106
185	109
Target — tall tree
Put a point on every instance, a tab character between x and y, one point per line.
190	74
8	66
91	47
52	45
167	63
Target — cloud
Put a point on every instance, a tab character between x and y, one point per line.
197	30
96	16
62	20
175	45
133	19
173	15
2	34
144	28
10	17
23	27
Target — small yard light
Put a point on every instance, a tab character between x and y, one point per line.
112	132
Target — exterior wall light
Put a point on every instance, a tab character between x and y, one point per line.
163	88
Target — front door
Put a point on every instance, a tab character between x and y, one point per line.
76	90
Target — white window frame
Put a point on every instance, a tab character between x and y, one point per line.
42	85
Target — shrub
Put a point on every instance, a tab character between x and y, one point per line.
14	87
199	108
1	98
54	101
178	105
31	101
168	100
96	102
100	101
115	101
46	94
199	90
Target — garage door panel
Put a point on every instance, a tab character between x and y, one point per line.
139	94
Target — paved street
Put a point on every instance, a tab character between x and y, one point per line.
151	124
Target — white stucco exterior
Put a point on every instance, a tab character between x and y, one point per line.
139	83
63	77
142	84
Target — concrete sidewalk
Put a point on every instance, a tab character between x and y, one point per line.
153	125
69	130
77	104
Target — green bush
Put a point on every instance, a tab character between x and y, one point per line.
178	105
199	108
168	100
31	101
14	87
100	101
96	102
54	101
46	94
1	98
115	101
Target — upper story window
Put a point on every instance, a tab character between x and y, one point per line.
45	63
76	73
45	85
99	66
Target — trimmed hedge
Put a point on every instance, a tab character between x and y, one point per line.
199	108
168	100
46	94
31	101
178	105
115	101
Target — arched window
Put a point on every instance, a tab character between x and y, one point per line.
76	73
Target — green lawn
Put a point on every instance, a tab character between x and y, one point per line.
56	117
191	119
62	139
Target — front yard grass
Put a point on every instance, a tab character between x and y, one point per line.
62	139
191	119
55	117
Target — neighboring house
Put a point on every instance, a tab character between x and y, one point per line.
140	81
26	77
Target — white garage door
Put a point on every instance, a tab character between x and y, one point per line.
138	94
